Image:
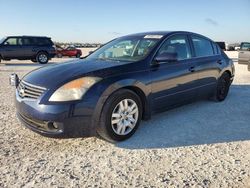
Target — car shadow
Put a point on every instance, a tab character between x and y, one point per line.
203	122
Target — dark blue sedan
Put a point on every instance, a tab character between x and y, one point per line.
124	81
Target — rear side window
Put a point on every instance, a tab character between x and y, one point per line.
215	48
27	41
202	46
176	44
43	41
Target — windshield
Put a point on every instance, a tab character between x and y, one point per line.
245	46
126	48
2	39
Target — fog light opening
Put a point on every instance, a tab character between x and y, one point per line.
53	126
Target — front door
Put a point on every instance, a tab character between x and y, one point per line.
11	48
173	83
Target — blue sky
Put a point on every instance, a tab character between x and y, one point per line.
100	21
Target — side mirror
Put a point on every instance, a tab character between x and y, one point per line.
6	43
166	57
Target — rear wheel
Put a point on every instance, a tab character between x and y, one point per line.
222	87
78	55
42	57
121	116
59	55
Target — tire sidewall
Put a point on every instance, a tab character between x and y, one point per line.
105	128
227	78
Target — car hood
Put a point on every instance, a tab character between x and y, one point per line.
58	74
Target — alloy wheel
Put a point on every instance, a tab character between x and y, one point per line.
124	117
43	58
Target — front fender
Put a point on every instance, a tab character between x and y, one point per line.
113	88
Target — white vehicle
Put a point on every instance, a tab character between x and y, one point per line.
244	53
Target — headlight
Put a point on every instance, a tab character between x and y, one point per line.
73	90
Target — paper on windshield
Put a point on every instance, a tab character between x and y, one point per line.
153	36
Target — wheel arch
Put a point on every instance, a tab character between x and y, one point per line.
144	100
42	51
228	72
137	87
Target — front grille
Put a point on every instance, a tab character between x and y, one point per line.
27	90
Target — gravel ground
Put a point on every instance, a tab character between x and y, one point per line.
204	144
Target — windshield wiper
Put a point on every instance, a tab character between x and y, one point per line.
107	59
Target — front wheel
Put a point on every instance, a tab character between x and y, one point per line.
121	116
78	55
42	57
222	87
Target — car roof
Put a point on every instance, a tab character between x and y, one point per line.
166	33
29	36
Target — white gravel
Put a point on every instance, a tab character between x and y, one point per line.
204	144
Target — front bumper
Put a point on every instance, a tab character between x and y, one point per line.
53	120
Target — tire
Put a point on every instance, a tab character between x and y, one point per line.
34	60
222	88
115	126
42	57
59	55
78	55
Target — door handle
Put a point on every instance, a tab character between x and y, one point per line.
191	69
219	62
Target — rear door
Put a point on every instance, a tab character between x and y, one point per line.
28	47
209	63
244	53
174	83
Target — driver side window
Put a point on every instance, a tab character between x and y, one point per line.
11	41
177	44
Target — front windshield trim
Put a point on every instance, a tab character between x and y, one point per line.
2	39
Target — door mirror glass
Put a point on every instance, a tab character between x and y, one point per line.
166	57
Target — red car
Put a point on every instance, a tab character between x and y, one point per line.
69	51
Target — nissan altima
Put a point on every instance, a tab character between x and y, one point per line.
125	81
